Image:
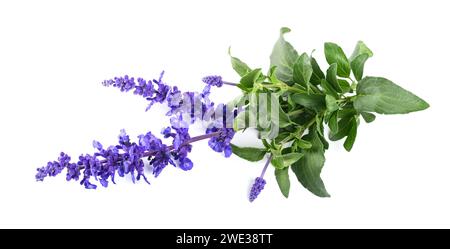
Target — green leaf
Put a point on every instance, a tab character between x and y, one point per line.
358	58
249	153
368	117
335	54
315	102
333	122
283	118
286	160
248	80
277	162
380	95
266	144
309	167
350	140
346	113
281	136
317	75
284	57
344	126
328	89
345	86
303	70
264	112
240	67
332	77
324	142
331	103
358	65
360	49
282	176
303	143
272	75
319	124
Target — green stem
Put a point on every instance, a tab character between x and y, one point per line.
296	112
300	131
294	89
316	89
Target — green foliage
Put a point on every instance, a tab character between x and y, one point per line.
335	54
286	160
358	65
332	78
312	101
309	167
283	57
317	75
380	95
348	144
309	99
282	176
249	79
303	70
368	117
248	153
360	48
240	67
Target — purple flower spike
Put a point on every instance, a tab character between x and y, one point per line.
53	168
213	80
127	156
222	142
257	187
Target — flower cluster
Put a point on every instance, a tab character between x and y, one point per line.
194	106
154	91
213	80
56	167
124	158
257	187
127	157
221	143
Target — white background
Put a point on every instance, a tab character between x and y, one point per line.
54	54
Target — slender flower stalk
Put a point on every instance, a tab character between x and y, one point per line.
230	83
266	166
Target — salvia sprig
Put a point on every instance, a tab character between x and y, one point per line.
290	107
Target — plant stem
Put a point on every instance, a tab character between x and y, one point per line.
300	132
316	89
229	83
296	112
192	140
294	89
266	165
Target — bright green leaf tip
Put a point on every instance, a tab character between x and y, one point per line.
284	30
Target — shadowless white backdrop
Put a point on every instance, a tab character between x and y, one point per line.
54	54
